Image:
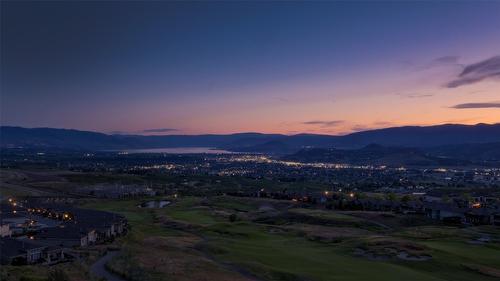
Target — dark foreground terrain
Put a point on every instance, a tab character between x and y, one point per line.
212	236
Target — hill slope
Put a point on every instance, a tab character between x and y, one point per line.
414	136
422	137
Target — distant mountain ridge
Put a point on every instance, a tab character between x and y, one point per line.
408	136
425	136
11	136
375	154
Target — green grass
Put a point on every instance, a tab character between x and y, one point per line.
432	232
193	216
275	257
287	256
488	255
332	215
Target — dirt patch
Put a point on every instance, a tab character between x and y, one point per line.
386	248
175	224
177	258
185	241
404	255
370	255
488	271
327	234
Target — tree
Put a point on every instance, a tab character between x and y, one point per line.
391	196
466	197
406	198
361	195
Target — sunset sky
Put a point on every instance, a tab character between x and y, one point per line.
226	67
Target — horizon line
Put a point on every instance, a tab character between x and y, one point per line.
246	132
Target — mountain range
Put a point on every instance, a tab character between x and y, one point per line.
445	138
374	154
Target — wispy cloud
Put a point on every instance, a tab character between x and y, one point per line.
473	73
160	130
477	105
444	61
322	123
383	123
415	95
281	99
476	92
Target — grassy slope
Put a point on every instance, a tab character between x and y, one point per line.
286	256
272	256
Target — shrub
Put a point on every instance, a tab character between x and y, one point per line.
57	275
233	217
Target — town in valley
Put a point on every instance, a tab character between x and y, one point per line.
289	140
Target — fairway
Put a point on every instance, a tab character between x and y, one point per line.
250	140
281	252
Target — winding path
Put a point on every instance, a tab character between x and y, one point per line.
99	269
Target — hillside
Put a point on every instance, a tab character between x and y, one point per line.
421	137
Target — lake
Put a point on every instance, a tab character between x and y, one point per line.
181	150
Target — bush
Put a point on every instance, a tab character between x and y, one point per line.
57	275
233	217
126	266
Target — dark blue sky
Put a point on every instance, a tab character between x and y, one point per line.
231	66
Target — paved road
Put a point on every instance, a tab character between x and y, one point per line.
98	269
